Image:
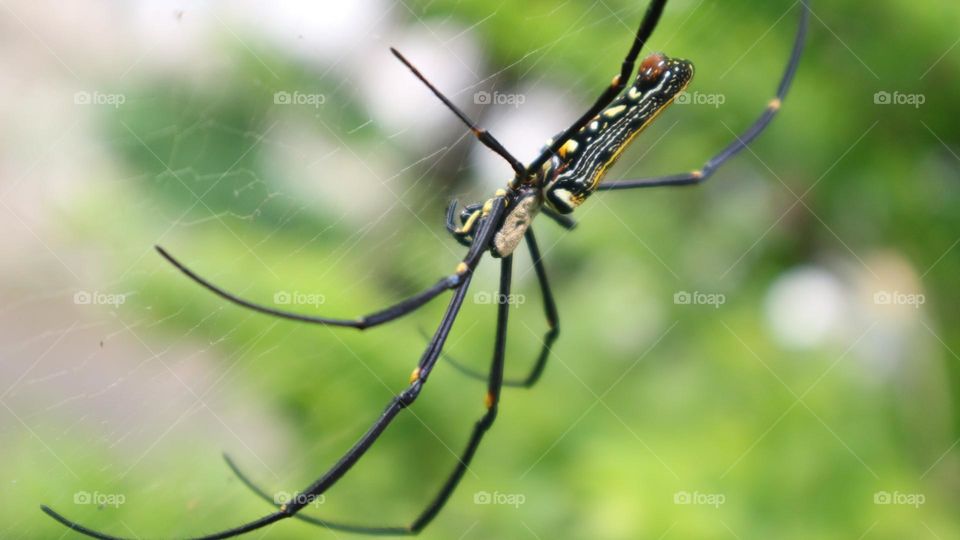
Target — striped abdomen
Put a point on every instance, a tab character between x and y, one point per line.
580	164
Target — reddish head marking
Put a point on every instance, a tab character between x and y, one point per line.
652	66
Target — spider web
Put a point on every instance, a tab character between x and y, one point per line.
134	379
277	150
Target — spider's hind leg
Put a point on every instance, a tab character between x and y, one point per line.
549	337
398	403
334	525
491	401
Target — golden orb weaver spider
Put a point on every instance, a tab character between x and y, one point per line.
569	168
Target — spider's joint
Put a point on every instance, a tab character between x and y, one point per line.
488	400
487	207
407	397
775	104
462	269
415	374
698	174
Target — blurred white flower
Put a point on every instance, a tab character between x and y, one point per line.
806	307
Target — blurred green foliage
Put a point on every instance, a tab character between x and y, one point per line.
643	399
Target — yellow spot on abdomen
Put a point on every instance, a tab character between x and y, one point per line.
613	112
568	147
602	170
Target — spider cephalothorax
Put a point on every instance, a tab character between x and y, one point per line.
558	180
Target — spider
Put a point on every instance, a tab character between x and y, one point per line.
568	169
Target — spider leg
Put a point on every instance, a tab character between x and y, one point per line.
491	400
461	233
553	323
395	311
450	222
742	140
549	310
74	526
404	399
482	135
494	385
335	525
647	26
562	220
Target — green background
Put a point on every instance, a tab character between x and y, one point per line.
643	399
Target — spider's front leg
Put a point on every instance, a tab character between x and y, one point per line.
649	23
743	140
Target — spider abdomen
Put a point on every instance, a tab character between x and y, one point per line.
581	163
